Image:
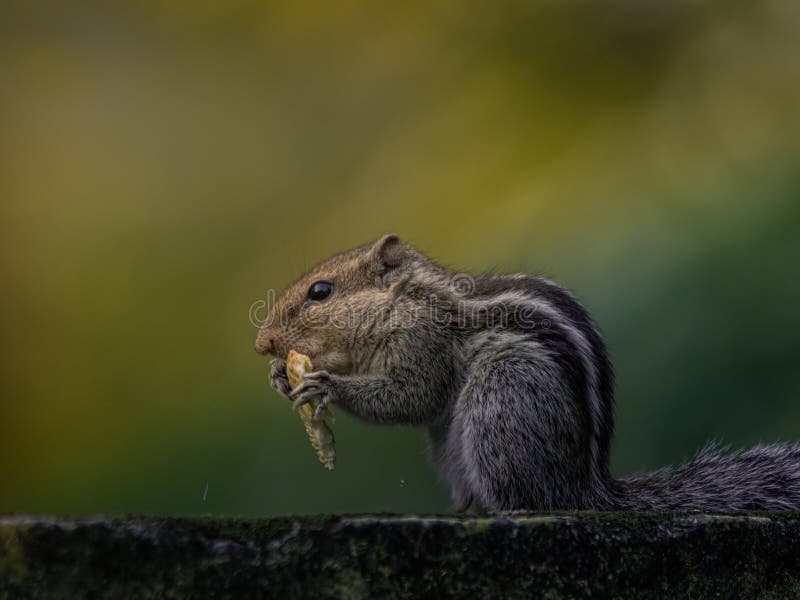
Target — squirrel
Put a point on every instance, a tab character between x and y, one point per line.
509	375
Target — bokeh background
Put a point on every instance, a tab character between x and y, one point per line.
164	164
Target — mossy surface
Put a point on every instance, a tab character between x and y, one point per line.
362	556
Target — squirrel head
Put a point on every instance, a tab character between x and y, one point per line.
330	313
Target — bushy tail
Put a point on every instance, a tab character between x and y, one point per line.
761	478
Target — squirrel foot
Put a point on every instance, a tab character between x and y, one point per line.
464	505
315	385
277	377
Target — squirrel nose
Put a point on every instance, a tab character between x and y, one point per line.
265	345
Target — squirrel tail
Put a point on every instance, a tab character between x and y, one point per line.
761	478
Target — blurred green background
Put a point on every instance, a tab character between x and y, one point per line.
164	164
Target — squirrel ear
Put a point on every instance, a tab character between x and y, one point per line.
390	252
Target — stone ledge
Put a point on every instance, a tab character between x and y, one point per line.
362	556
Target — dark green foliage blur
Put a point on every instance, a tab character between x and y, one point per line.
163	165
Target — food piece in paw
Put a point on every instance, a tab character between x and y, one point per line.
319	433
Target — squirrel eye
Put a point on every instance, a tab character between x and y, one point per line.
320	291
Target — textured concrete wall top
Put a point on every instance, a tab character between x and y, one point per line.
515	555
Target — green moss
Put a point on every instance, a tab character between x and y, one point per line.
360	556
350	585
12	556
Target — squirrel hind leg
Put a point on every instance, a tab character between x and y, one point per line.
519	436
464	505
447	455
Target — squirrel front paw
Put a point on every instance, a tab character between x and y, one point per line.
277	377
318	384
